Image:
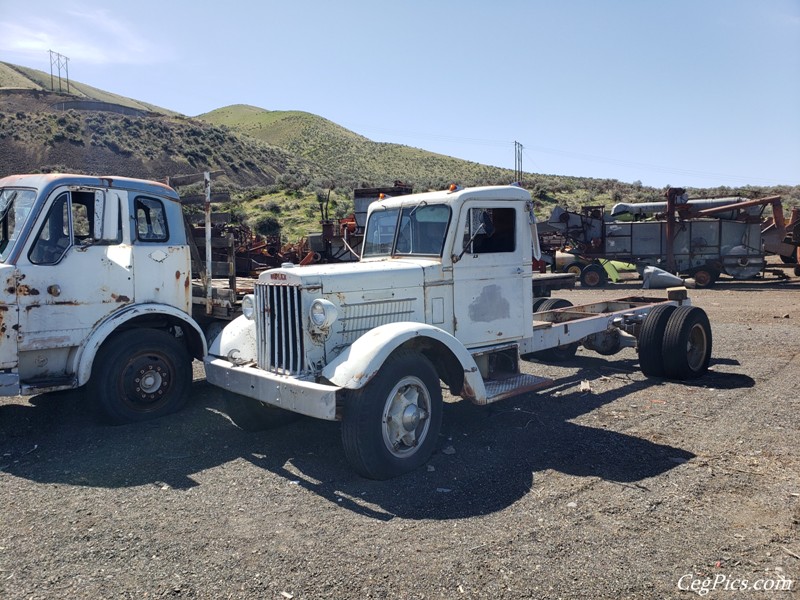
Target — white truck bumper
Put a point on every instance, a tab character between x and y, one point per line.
283	391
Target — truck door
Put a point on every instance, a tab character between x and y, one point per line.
68	281
491	281
163	267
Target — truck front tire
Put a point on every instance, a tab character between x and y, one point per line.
141	374
391	425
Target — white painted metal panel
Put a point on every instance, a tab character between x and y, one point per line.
60	303
491	290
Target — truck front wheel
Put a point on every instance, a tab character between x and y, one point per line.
141	374
391	425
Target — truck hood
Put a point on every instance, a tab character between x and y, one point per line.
351	277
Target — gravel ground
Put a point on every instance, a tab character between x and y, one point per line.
632	488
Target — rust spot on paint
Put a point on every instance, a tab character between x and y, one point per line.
120	298
467	392
187	283
12	290
177	274
26	290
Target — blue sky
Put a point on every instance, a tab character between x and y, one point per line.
680	92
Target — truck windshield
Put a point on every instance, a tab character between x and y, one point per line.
411	230
15	206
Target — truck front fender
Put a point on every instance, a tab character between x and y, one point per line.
236	342
84	357
359	362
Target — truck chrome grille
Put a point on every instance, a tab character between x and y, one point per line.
279	329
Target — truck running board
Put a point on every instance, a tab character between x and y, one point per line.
498	389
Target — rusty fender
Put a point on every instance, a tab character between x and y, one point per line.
361	361
84	357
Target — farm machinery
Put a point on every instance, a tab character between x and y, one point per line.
700	238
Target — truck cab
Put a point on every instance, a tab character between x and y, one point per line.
96	290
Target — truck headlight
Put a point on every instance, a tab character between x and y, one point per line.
249	306
323	313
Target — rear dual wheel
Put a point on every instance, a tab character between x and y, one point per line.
675	342
687	343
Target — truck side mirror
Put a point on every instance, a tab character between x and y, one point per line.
106	216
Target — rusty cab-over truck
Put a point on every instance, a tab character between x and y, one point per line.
443	291
96	290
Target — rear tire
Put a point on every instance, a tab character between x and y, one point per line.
651	340
391	425
687	343
537	303
575	268
593	276
705	277
141	374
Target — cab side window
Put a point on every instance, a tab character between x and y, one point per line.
69	221
151	220
494	230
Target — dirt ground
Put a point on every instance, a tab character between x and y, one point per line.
607	485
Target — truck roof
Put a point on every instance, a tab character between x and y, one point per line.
51	180
489	192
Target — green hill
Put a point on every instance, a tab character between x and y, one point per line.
354	158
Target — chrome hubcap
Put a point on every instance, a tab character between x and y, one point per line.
406	417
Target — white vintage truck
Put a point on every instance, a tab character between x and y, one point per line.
95	290
442	293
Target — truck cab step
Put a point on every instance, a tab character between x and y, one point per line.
498	389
